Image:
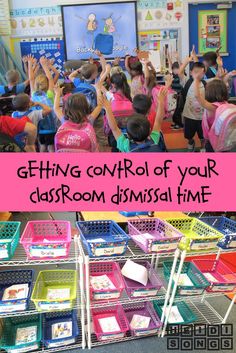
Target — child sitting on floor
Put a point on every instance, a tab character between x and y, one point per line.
140	137
13	85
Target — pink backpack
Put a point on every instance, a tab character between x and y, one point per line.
122	109
71	136
170	104
222	134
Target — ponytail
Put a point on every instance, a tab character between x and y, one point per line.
120	82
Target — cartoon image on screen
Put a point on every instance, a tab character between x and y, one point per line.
87	25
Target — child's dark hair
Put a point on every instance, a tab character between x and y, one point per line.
142	104
121	84
88	70
21	102
68	87
77	108
198	65
175	65
210	58
138	128
137	67
216	91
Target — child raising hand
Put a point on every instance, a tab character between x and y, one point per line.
139	137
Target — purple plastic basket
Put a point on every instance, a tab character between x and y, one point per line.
137	290
160	236
143	309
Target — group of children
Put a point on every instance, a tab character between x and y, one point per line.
97	108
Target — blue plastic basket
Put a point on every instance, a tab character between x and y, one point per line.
103	238
226	226
51	319
9	278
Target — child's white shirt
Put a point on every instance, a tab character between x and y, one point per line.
192	108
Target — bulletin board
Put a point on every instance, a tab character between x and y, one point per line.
52	49
151	40
212	30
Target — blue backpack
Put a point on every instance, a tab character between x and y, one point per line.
149	146
89	92
104	43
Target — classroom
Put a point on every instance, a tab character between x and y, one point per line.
117	76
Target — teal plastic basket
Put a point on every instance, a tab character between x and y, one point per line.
184	310
9	331
199	281
9	239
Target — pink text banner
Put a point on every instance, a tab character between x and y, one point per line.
110	182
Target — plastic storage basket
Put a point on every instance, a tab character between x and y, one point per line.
137	290
143	309
65	328
10	278
197	235
62	283
9	239
103	238
226	226
199	282
187	316
112	271
154	235
12	327
221	278
116	312
47	239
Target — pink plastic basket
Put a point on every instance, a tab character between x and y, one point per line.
102	313
137	290
47	239
222	279
154	235
112	270
143	309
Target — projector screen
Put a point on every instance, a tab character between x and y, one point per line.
83	23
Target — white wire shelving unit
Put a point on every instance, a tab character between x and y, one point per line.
75	258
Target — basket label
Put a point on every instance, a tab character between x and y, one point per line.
191	291
106	295
144	293
24	349
115	250
3	251
167	246
232	244
112	336
223	288
145	333
12	306
61	343
47	251
54	305
203	245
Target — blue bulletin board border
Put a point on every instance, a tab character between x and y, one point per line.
102	3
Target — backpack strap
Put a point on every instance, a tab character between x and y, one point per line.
136	148
186	88
12	91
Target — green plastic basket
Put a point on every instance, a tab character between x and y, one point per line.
10	326
9	239
199	281
198	235
56	280
184	310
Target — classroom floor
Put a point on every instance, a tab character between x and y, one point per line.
145	345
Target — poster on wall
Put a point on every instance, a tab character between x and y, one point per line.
162	14
36	22
212	27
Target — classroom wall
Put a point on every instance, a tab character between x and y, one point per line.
187	37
